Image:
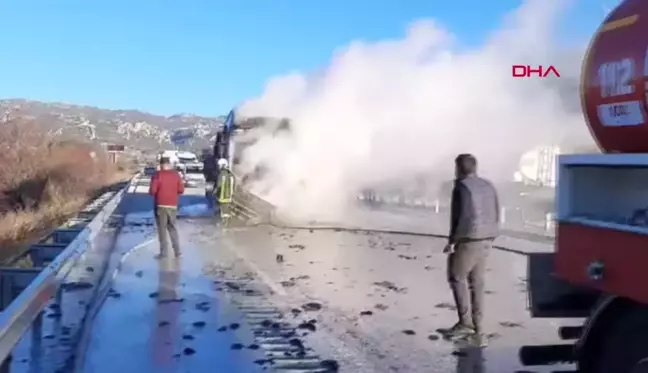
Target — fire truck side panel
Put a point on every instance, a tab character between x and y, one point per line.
624	256
554	297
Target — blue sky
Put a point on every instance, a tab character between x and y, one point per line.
204	56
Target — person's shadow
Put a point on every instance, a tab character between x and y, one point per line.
166	329
470	359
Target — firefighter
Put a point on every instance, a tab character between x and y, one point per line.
210	171
224	188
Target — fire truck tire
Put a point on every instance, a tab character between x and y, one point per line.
623	347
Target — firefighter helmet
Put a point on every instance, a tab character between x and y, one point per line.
222	163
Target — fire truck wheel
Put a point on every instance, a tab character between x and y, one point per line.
624	345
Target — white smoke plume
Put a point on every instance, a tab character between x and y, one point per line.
398	109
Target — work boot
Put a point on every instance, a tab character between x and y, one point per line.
478	340
457	331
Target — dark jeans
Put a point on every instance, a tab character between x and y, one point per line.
466	272
166	219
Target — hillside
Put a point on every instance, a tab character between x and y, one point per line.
135	129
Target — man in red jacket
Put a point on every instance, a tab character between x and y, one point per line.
166	186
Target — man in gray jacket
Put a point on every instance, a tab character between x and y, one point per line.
474	225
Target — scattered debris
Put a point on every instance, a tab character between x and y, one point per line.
234	326
263	361
237	346
381	307
407	257
203	306
280	258
163	323
139	273
366	313
199	324
312	306
188	351
330	365
297	343
433	337
409	332
388	285
288	283
447	306
509	324
297	246
310	326
188	337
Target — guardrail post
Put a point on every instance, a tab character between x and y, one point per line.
6	365
549	221
503	215
437	206
58	296
37	336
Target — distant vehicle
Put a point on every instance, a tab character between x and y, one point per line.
150	170
171	154
538	166
190	162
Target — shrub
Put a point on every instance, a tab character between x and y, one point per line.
43	181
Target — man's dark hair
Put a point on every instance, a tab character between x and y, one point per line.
165	160
466	164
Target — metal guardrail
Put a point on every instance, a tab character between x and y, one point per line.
249	207
513	218
25	292
515	223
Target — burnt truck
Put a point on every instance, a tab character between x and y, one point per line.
599	268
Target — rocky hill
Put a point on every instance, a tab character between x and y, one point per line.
135	129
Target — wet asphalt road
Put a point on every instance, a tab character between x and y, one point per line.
384	296
368	302
164	316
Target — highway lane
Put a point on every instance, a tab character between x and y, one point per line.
163	315
383	296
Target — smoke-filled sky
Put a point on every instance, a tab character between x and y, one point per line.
398	108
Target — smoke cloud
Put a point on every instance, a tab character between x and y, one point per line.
396	111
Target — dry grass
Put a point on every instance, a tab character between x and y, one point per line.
42	181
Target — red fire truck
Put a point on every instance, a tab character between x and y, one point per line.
599	270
